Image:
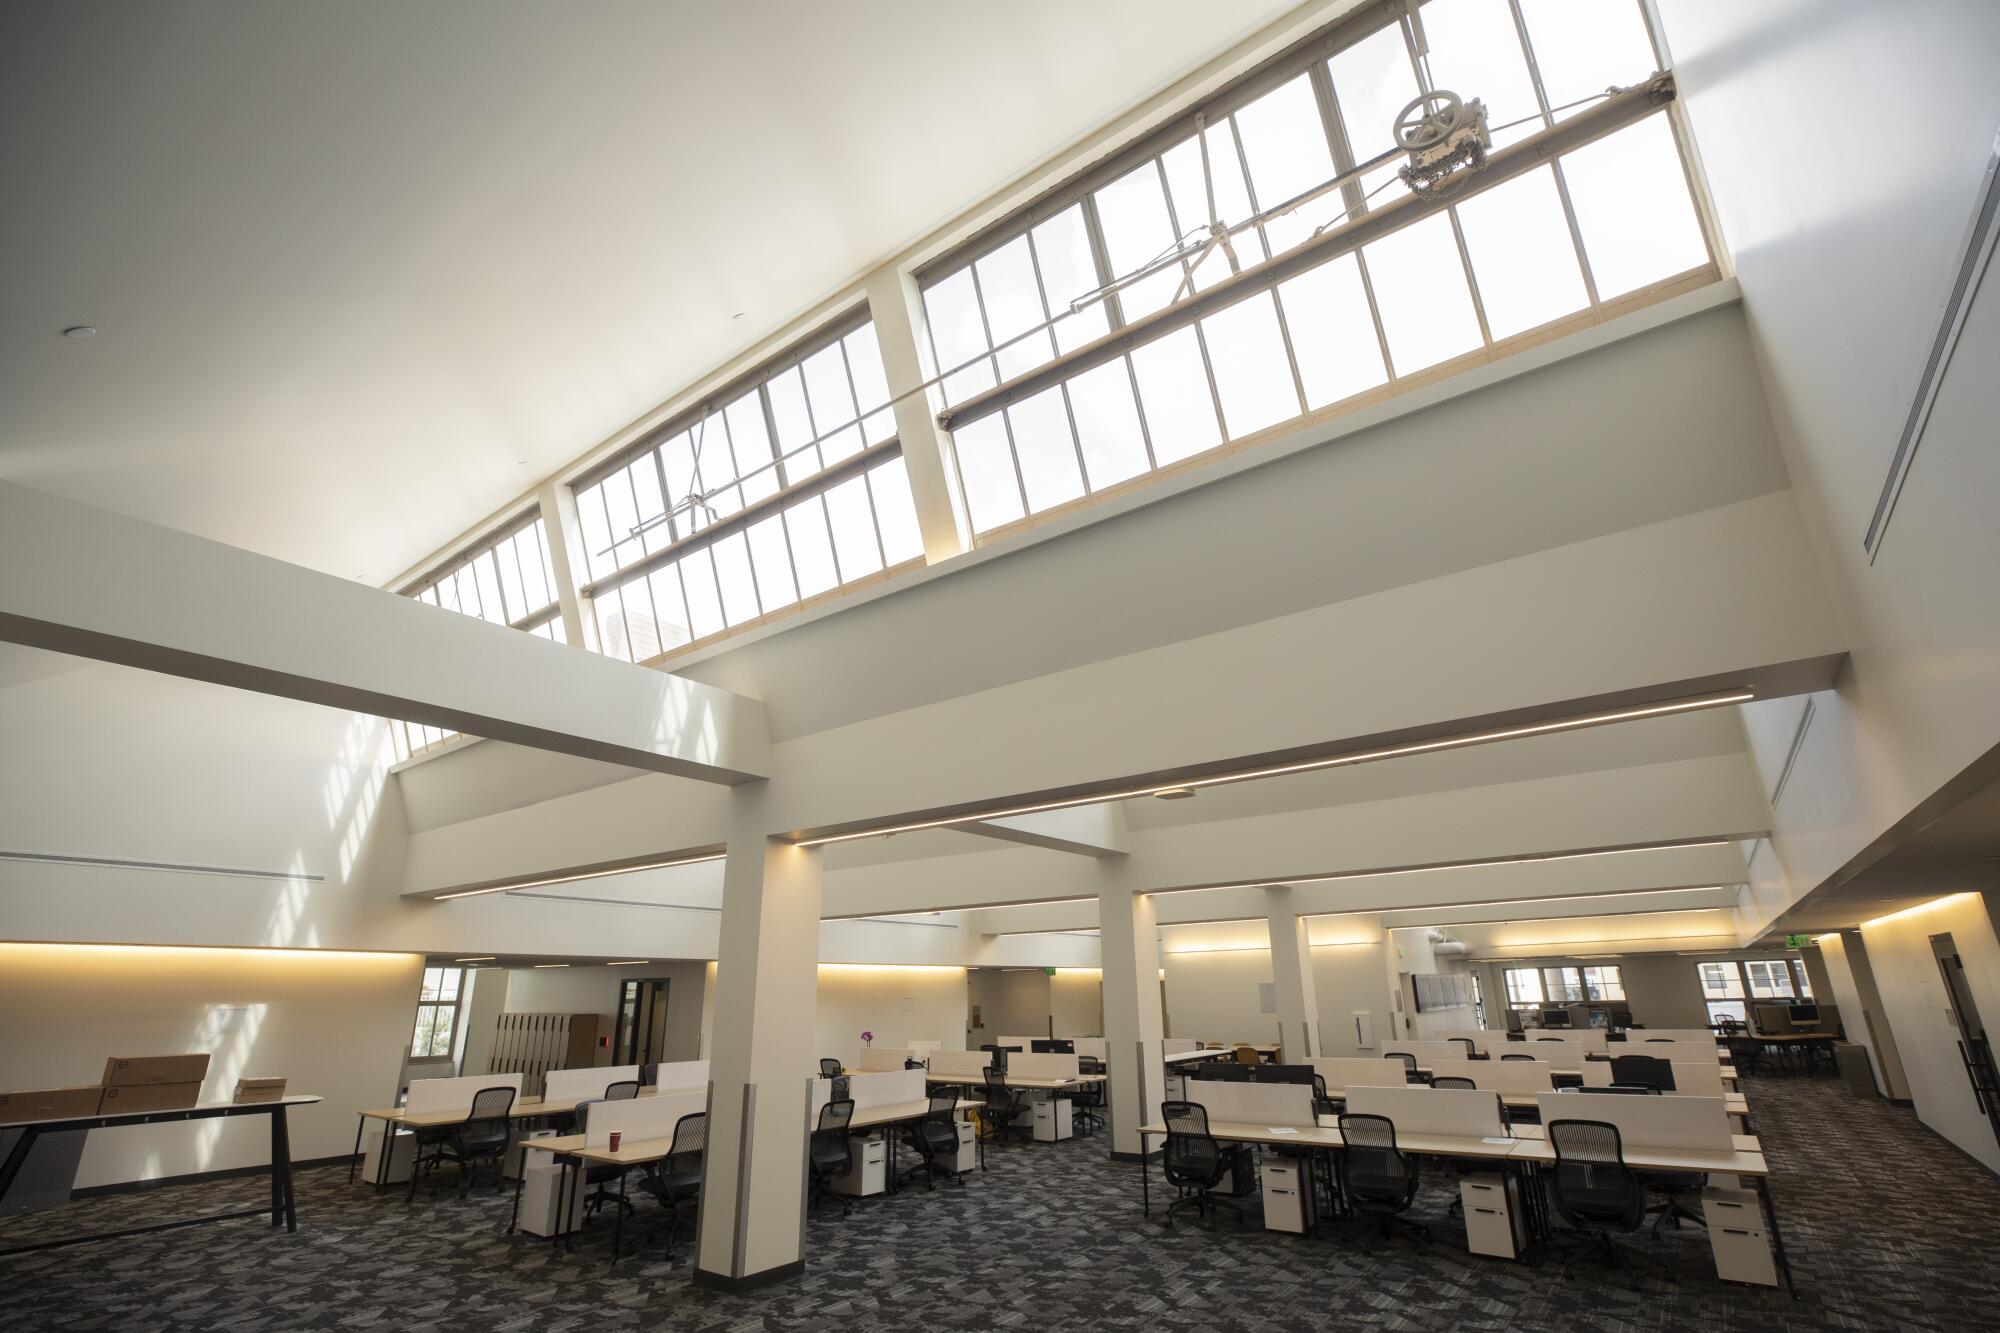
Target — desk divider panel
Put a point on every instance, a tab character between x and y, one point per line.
683	1074
1031	1065
887	1089
565	1085
1179	1045
1697	1124
968	1065
1014	1043
880	1059
1096	1048
1692	1051
1484	1041
921	1046
1640	1036
455	1094
1271	1104
1592	1041
641	1118
1352	1071
1451	1112
1509	1078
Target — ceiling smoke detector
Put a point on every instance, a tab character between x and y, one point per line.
1174	793
79	331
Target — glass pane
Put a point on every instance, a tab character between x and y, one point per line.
751	443
773	562
677	459
958	333
1633	209
1476	52
732	574
528	547
715	466
487	572
1173	387
1107	425
669	607
704	601
1132	212
1232	197
465	591
642	624
1420	290
1253	374
1284	141
812	547
509	561
864	363
609	608
1045	449
853	523
1062	251
986	469
1522	254
1583	47
832	402
448	983
1372	82
795	427
1013	305
895	511
1333	335
623	515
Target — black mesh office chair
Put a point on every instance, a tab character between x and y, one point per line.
1086	1104
1322	1103
649	1074
1377	1178
831	1068
1621	1018
623	1091
1410	1074
602	1176
1626	1089
1593	1190
1647	1069
675	1180
829	1155
1196	1164
481	1139
1004	1106
1557	1040
1517	1057
1450	1081
1471	1046
1745	1051
936	1137
914	1064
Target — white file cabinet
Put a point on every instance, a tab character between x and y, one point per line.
1495	1222
1736	1236
402	1152
511	1168
539	1187
1052	1118
966	1155
1290	1203
869	1173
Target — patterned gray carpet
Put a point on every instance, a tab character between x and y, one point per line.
1889	1228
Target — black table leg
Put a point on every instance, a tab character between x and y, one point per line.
1145	1178
354	1162
1763	1188
281	1133
618	1227
514	1220
17	1158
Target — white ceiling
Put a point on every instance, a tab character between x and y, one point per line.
365	272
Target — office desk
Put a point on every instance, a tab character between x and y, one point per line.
283	1209
1735	1103
396	1117
1016	1081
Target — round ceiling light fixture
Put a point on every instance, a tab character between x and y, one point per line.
79	331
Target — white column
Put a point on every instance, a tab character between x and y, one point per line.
1292	975
761	1062
1129	935
566	557
895	307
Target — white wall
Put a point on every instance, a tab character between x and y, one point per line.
335	1024
1845	246
898	1002
1906	973
1214	975
1012	1002
1076	1002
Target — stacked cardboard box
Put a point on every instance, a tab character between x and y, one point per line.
153	1083
48	1104
259	1090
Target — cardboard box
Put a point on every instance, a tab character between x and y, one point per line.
136	1071
260	1089
150	1097
50	1104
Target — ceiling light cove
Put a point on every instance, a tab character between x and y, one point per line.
1188	787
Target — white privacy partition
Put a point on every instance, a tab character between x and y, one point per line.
1698	1124
1093	1048
968	1065
455	1094
1696	1051
1031	1065
878	1059
1350	1071
1485	1041
570	1085
1179	1045
683	1074
1470	1113
1012	1043
1254	1103
1636	1036
1509	1078
1583	1041
917	1045
888	1089
641	1118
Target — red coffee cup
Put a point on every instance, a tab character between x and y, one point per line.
615	1136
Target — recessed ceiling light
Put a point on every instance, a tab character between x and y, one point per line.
627	962
80	331
482	958
551	964
1174	793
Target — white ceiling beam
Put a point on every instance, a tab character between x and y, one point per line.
85	581
1082	830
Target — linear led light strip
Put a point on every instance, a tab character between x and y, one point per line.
580	875
1459	907
1306	766
1532	859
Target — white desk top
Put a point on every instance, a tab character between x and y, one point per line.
1524	1143
1016	1081
163	1113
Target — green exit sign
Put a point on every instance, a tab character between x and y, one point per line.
1797	941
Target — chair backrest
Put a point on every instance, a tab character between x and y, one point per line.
1554	1039
623	1091
582	1113
649	1074
1193	1157
998	1094
1247	1055
1471	1046
1591	1183
999	1054
1372	1168
1451	1082
830	1068
1627	1090
835	1116
1650	1070
489	1112
1409	1061
1660	1039
1517	1057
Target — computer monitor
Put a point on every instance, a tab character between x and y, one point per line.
999	1054
1225	1073
1555	1018
1053	1046
1805	1013
1281	1074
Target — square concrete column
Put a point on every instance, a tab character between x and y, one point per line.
1129	935
1292	976
766	996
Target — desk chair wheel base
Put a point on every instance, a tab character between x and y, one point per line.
1204	1205
1576	1247
1373	1230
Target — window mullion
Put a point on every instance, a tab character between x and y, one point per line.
1006	418
1100	258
